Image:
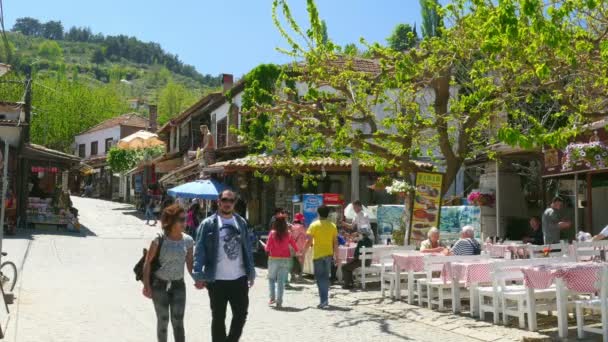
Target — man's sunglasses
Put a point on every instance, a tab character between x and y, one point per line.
228	200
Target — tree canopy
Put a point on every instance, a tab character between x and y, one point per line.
114	47
403	37
526	73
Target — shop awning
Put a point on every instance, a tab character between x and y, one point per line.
83	168
38	152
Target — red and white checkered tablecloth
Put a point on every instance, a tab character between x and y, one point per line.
499	250
468	272
346	253
580	277
409	261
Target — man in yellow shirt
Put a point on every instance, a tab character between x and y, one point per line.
323	235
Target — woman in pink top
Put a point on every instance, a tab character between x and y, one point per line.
279	259
298	233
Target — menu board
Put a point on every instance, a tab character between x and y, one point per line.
427	202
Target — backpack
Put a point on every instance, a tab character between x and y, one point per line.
154	265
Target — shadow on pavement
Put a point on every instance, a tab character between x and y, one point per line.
290	309
29	233
338	308
383	324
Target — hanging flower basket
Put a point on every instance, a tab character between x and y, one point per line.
400	188
592	155
481	199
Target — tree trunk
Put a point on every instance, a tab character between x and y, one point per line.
407	217
441	88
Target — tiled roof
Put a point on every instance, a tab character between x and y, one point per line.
358	64
129	119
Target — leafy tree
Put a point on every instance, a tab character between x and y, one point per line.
98	56
63	108
403	37
50	50
324	31
122	160
79	34
52	30
432	22
527	73
351	49
28	26
173	99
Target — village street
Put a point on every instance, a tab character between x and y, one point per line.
80	287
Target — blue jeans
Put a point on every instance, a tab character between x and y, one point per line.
278	270
322	272
149	215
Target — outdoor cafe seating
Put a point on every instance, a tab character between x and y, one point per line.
508	280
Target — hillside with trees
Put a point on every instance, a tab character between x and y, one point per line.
81	78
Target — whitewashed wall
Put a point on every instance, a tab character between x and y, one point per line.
99	136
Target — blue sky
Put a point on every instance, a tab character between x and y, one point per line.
230	36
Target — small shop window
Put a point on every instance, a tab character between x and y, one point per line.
94	146
81	150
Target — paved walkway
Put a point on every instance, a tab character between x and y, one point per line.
80	287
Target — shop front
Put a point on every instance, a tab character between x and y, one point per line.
579	174
47	187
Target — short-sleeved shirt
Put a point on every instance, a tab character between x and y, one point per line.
604	232
551	219
427	244
324	233
230	264
466	247
172	257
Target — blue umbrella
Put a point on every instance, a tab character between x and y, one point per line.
207	189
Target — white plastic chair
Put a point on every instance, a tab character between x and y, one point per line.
510	299
595	304
389	277
435	291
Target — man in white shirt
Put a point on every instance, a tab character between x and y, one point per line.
223	263
361	221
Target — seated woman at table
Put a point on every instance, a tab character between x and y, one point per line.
350	267
535	236
432	244
466	245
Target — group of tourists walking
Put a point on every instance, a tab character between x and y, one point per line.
221	261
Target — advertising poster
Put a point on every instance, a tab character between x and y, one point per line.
389	218
310	203
453	218
427	202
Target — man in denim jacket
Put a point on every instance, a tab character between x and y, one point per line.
223	263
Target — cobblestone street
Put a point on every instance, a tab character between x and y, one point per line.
80	287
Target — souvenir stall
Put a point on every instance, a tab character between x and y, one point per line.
48	200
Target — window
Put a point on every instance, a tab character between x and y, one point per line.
109	142
94	146
81	150
222	128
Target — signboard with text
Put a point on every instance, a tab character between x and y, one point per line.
427	202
